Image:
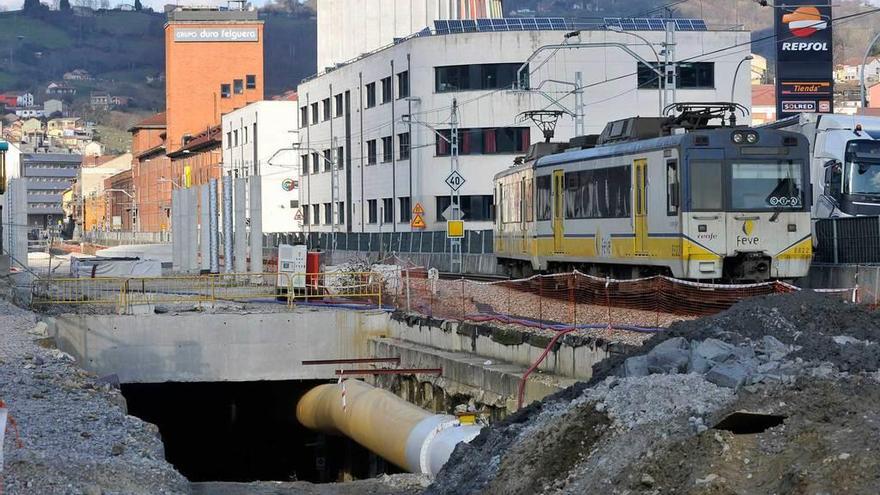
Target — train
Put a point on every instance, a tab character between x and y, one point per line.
678	195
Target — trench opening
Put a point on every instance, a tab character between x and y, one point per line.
247	431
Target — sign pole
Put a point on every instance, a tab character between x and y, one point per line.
454	195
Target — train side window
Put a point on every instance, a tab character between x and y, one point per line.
542	197
672	189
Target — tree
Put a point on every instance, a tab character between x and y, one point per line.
32	6
138	6
64	6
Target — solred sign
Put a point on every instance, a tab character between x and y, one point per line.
804	57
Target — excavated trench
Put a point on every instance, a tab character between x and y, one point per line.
247	431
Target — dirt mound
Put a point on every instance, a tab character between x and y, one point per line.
653	419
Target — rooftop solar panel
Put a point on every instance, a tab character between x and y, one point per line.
699	25
469	25
559	23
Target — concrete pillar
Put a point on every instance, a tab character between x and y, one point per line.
240	225
227	224
176	237
192	231
15	222
212	226
256	204
205	227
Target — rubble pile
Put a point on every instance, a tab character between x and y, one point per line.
778	394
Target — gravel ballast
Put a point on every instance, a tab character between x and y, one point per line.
75	437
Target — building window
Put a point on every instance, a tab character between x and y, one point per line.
403	84
225	91
692	75
340	212
328	160
475	208
371	152
251	81
238	86
229	139
305	214
235	137
403	145
339	108
304	116
328	214
294	203
371	95
340	158
387	149
486	141
405	210
373	214
477	77
305	164
316	163
387	210
244	139
386	89
315	113
326	108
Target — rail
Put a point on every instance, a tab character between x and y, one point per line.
351	288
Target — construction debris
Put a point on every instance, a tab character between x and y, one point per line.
776	395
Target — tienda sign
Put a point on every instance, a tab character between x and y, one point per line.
215	34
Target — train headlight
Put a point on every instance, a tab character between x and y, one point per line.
738	137
744	137
751	138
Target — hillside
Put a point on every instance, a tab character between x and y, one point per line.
124	53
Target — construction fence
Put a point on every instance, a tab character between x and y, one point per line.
362	289
575	299
474	241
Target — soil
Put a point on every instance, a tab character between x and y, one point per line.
597	437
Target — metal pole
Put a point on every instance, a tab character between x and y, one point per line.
240	226
227	224
256	204
736	73
454	195
862	88
205	227
579	129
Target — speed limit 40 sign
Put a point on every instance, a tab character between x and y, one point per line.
455	180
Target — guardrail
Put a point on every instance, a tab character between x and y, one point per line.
123	293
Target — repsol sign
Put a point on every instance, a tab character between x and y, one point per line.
788	46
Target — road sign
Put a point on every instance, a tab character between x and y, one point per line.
455	229
418	209
298	215
418	222
455	180
453	212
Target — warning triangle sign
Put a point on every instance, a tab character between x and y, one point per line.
418	210
418	222
298	215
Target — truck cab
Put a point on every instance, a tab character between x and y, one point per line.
845	162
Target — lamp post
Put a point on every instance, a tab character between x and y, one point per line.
736	72
862	88
133	205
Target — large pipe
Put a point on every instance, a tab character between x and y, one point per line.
400	432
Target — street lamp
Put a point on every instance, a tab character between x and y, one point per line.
864	62
133	205
172	181
735	73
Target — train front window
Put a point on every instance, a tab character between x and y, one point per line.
705	186
766	186
862	172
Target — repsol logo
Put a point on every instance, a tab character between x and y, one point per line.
790	46
742	240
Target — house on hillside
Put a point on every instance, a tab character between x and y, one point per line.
851	70
62	124
53	106
29	112
60	89
78	75
106	101
17	99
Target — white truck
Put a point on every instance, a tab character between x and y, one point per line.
845	168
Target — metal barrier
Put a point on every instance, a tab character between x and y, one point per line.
474	242
850	240
123	293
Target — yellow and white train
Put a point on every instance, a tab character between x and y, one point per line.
725	204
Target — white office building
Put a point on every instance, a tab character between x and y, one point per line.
258	140
373	131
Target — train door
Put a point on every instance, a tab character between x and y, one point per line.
640	209
558	210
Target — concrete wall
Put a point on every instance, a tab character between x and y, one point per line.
200	347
